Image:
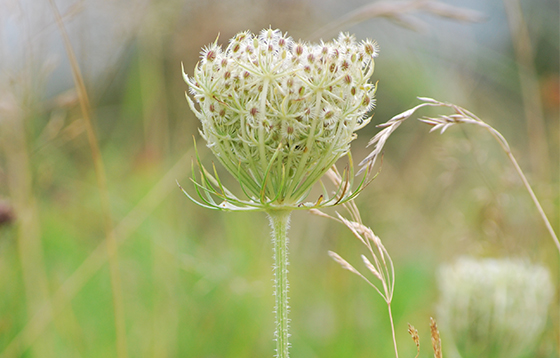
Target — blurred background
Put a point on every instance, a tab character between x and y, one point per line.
101	255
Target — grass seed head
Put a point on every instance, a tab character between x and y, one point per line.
415	337
436	340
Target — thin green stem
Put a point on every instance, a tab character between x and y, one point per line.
393	329
279	220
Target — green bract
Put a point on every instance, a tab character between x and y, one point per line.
278	114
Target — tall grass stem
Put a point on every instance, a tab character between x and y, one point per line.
19	181
535	200
111	241
530	91
96	260
280	221
442	123
505	146
393	329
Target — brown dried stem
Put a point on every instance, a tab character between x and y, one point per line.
464	116
529	85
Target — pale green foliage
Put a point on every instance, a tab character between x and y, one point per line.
277	113
494	308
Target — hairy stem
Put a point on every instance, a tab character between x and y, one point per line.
279	220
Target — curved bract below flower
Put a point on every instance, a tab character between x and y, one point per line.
278	114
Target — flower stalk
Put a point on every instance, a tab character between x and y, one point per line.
278	114
280	220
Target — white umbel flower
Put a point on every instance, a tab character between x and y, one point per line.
278	113
494	308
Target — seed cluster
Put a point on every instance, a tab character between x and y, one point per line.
279	113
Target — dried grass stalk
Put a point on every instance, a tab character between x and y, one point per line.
414	334
436	340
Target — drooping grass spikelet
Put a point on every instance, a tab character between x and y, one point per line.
442	123
414	334
382	266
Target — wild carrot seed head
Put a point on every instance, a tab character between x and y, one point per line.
278	114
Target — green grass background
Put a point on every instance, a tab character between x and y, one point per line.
198	283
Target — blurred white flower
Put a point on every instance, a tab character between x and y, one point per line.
494	307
